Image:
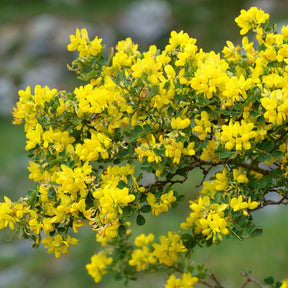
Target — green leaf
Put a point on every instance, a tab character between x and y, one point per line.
134	134
180	198
188	241
140	220
277	154
147	127
145	209
257	232
262	183
269	280
117	161
223	153
121	184
267	146
267	157
250	227
121	231
253	183
130	180
139	129
242	221
174	205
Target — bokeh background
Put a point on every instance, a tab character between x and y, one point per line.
33	39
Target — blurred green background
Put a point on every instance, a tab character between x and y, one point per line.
34	35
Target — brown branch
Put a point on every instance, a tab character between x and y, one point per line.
231	161
251	279
200	163
205	173
212	276
245	283
159	184
206	283
255	169
270	202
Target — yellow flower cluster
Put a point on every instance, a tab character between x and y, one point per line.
111	200
58	245
98	266
238	135
165	252
80	42
187	281
211	220
141	258
251	19
163	204
207	219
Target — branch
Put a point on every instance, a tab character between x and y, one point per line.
200	163
253	168
231	161
212	276
206	283
283	200
205	173
251	279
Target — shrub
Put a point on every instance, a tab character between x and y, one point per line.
165	113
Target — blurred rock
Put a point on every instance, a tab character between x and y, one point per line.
10	38
11	275
266	5
39	33
44	73
146	20
7	90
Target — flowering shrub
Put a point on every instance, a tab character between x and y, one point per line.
165	113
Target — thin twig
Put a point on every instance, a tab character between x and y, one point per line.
206	283
251	279
212	276
270	202
205	173
245	283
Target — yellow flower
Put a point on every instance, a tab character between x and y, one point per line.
6	218
98	266
179	123
203	125
166	251
141	258
36	172
210	77
143	240
238	204
214	225
58	244
239	176
161	205
238	135
187	281
231	53
80	42
284	284
251	19
34	137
